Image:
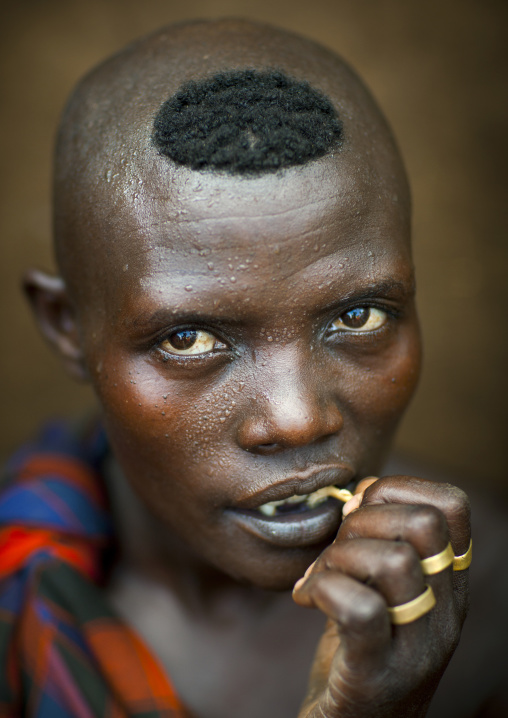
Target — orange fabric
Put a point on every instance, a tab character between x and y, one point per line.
17	543
135	679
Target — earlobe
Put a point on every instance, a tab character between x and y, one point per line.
55	317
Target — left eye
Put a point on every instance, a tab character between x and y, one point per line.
360	319
185	342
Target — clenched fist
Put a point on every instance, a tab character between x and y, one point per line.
366	664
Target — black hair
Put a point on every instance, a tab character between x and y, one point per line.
246	122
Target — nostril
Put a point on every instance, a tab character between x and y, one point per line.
296	419
266	448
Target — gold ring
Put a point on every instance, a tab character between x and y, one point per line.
438	562
412	610
460	563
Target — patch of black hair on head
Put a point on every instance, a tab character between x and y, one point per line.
246	122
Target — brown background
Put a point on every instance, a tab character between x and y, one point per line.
439	70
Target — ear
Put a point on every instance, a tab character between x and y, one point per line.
56	318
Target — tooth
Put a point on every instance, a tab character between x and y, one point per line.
322	494
314	500
291	500
296	499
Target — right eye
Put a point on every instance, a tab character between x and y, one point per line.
360	320
188	342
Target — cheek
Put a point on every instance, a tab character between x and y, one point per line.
164	429
381	389
145	409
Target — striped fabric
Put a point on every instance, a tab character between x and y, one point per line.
63	651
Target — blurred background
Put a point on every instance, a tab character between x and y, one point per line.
438	69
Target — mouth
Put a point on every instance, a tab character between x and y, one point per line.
297	519
307	502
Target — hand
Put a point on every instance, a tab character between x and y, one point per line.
365	665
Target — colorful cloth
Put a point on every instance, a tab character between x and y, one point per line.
63	651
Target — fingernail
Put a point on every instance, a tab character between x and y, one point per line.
302	580
309	569
365	483
352	504
299	584
355	503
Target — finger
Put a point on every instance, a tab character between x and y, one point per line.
391	567
424	526
359	611
452	502
365	483
355	502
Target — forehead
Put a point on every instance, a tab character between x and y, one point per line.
204	240
193	214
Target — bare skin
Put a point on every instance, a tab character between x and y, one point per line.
278	393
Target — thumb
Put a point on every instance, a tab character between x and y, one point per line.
356	501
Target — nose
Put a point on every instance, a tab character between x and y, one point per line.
292	409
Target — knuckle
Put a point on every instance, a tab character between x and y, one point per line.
369	613
378	489
319	589
330	558
401	559
428	519
351	527
456	503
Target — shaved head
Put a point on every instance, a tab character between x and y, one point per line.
105	144
242	311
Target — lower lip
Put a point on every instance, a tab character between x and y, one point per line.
292	530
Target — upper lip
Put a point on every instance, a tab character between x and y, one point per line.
299	484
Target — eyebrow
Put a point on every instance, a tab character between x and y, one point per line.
383	288
164	315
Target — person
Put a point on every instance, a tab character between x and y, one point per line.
232	231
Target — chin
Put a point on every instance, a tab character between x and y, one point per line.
276	572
